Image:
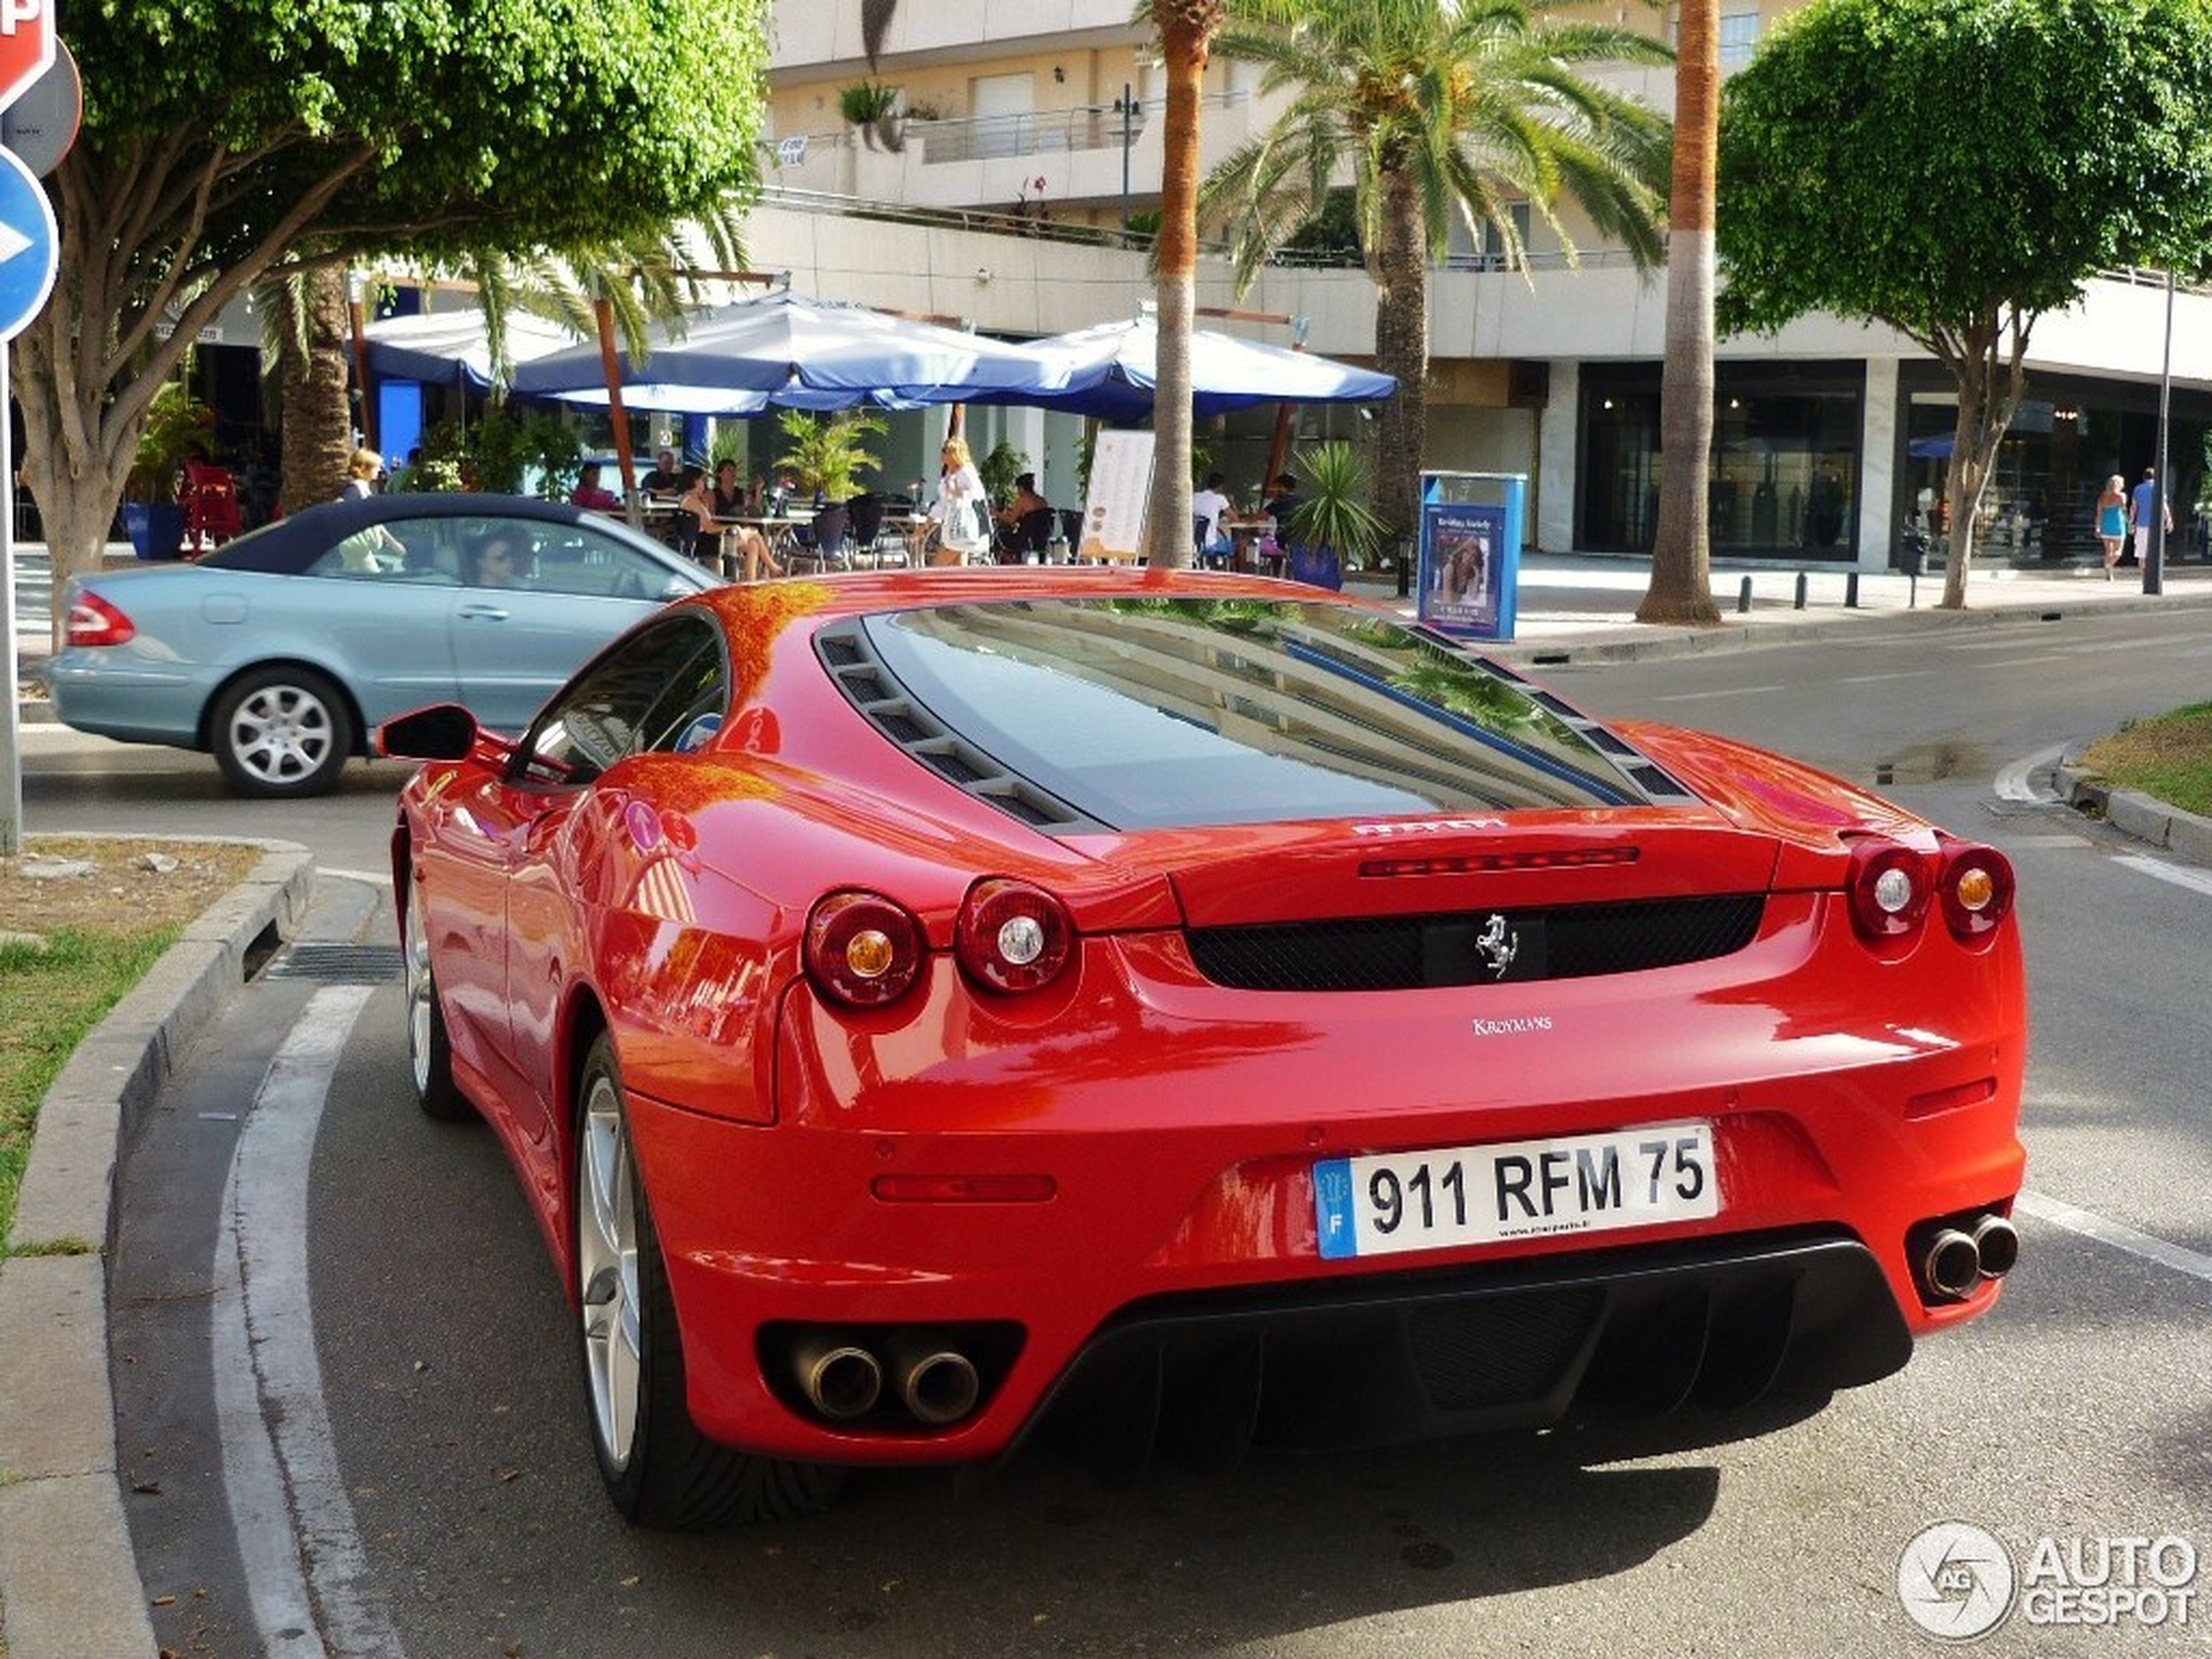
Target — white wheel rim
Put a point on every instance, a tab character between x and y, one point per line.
281	733
418	993
607	1268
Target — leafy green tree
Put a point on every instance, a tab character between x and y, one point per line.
1956	169
227	143
1440	112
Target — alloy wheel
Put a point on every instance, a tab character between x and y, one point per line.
607	1267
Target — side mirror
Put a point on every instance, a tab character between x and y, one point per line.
444	731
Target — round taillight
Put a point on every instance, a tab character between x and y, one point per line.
1888	889
1975	889
1012	936
95	620
862	949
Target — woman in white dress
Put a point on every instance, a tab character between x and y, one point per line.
961	516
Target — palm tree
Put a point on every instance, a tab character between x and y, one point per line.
1681	589
1187	28
1440	110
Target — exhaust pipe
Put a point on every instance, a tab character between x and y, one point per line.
838	1379
939	1386
1997	1243
1951	1265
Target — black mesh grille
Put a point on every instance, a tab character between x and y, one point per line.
1408	953
1474	1355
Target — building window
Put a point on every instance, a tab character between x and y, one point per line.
1739	37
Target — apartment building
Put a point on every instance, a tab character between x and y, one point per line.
1015	125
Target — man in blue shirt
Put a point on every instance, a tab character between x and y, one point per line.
2142	504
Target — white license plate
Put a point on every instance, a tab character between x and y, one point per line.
1478	1195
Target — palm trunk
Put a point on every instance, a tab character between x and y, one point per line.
314	368
1400	272
1187	28
1681	590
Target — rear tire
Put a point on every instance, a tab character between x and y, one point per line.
281	733
430	1055
659	1470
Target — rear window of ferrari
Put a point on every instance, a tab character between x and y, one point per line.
1147	714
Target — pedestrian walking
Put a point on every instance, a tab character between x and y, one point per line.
2148	499
2112	521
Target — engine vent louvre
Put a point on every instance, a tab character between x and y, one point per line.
879	696
1414	952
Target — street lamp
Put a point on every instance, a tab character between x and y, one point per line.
1126	107
2162	502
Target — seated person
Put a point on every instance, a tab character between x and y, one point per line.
1283	508
664	479
1213	505
589	492
701	505
497	559
1026	500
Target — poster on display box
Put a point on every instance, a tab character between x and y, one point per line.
1463	566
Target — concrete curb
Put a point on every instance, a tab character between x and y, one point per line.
68	1586
2146	819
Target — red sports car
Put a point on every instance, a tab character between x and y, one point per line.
923	1007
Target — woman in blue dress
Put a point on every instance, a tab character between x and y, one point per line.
2112	521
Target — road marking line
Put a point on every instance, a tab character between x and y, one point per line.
1740	691
372	878
2195	1264
2182	876
294	1524
1876	679
2013	782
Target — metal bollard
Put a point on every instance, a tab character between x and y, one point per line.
1800	603
1851	590
1743	595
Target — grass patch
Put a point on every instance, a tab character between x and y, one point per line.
55	995
2169	758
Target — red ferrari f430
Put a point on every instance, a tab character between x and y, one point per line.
921	1008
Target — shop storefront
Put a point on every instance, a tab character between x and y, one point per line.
1784	474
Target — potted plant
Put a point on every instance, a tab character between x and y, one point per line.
178	426
873	108
999	470
826	456
1333	528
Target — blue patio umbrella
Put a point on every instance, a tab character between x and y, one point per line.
1110	370
454	347
786	350
1936	449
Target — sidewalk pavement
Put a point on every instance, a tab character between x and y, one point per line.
68	1585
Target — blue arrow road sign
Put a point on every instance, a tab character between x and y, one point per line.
28	245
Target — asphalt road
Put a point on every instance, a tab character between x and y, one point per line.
427	1490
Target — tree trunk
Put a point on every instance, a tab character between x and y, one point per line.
75	484
313	366
1682	576
1990	382
1400	273
1187	28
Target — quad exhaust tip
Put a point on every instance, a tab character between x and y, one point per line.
1952	1262
840	1381
842	1377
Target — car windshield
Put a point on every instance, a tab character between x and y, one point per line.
1151	714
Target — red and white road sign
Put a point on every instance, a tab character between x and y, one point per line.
26	45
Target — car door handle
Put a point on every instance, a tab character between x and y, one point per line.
482	613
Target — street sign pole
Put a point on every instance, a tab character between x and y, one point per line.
10	736
29	256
